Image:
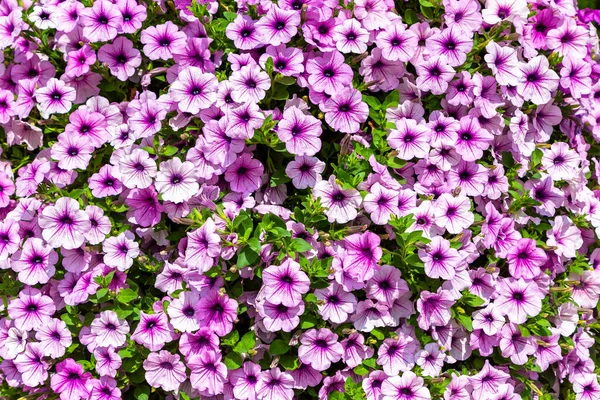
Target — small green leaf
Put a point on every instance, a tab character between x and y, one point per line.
169	151
379	335
142	393
465	321
361	370
373	102
246	257
233	361
246	344
299	245
127	295
279	347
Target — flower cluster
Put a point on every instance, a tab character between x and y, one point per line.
247	199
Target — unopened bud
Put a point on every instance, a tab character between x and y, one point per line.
275	362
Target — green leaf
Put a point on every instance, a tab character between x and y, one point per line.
231	338
246	257
392	99
373	102
281	93
229	16
246	344
169	151
101	293
255	245
142	393
507	159
289	362
127	295
379	335
279	347
472	300
299	245
361	370
286	80
269	65
233	361
410	17
370	362
465	321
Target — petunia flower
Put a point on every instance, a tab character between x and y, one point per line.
300	132
406	387
176	181
70	380
164	370
319	348
64	224
161	40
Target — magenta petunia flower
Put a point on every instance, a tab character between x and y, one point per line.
35	263
208	372
101	22
434	308
70	381
278	26
363	253
119	251
397	43
329	73
300	132
337	303
345	110
249	84
453	213
244	33
525	259
108	361
441	260
341	204
217	311
164	370
72	151
137	169
64	224
79	61
203	246
381	203
305	171
133	15
176	181
518	299
451	43
319	348
245	174
434	75
105	388
537	81
184	313
410	139
194	90
350	37
31	366
54	98
503	63
285	284
396	355
406	387
122	58
278	317
55	338
244	381
274	384
161	40
109	329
